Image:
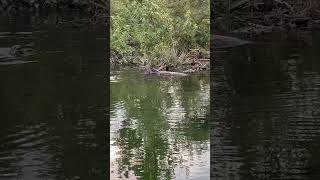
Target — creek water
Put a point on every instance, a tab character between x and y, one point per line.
53	111
159	126
266	109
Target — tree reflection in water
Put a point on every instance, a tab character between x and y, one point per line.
159	128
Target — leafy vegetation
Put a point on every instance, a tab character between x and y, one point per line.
9	6
158	30
62	13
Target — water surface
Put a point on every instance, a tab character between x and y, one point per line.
266	109
159	127
53	111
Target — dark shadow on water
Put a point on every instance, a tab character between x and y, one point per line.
265	106
53	112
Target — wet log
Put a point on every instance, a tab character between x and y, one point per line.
170	73
164	73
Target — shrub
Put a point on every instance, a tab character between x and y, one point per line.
158	30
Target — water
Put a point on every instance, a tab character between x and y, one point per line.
266	109
159	127
52	111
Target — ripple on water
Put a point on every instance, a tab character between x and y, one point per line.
85	133
158	128
265	126
26	152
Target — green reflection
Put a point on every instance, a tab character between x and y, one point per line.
158	124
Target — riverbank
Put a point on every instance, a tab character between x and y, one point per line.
250	19
61	14
160	35
193	61
13	6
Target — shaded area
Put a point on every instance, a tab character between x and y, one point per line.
53	112
252	18
159	126
265	107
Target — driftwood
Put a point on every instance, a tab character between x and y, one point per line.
164	73
170	73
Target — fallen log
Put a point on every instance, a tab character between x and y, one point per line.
164	73
170	73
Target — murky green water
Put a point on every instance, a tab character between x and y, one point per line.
53	111
266	109
159	127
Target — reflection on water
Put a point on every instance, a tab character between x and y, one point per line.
159	127
266	111
52	112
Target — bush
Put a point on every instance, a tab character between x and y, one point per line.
158	30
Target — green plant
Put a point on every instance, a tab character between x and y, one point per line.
158	30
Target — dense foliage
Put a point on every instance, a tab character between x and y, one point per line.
158	30
92	6
253	17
